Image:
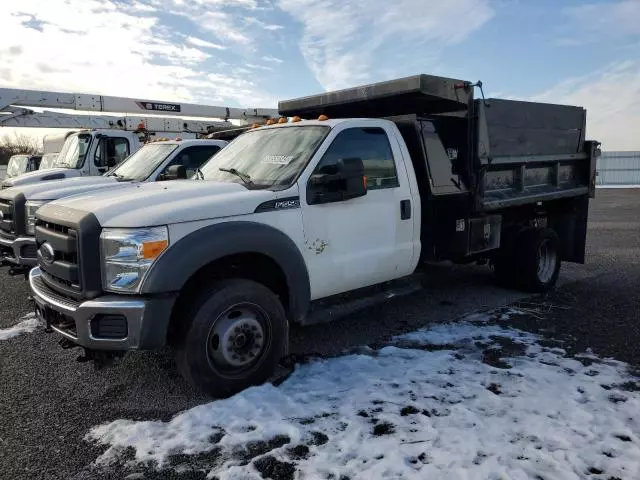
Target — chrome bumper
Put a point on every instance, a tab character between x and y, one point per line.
15	247
146	319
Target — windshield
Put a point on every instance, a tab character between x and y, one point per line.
73	151
142	163
266	158
48	161
17	165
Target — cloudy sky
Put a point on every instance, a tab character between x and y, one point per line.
254	52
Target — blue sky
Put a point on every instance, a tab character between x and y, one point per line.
254	52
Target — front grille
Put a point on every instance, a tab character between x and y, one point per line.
74	237
63	271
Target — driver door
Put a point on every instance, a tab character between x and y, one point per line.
109	152
362	241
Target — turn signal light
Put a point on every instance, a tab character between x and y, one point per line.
151	250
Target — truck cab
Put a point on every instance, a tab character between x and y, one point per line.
156	161
48	161
88	153
20	164
348	193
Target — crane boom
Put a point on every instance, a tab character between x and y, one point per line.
102	103
25	118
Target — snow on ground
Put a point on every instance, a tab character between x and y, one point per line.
465	400
28	324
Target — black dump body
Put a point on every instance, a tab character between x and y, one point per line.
495	160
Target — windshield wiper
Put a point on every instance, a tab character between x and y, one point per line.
243	176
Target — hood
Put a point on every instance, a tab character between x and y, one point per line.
73	186
40	176
39	190
162	203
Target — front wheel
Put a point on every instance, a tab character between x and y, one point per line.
233	337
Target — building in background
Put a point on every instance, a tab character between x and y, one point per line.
618	168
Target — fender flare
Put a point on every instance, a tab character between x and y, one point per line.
189	254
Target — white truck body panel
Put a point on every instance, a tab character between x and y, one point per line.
54	143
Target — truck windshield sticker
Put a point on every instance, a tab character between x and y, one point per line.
278	159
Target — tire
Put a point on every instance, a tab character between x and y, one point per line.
538	259
504	266
234	335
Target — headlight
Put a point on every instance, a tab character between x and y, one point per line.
127	254
30	214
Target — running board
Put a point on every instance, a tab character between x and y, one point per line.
340	306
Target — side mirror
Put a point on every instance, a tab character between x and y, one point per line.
343	181
175	172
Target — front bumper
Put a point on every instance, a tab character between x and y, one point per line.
19	252
94	324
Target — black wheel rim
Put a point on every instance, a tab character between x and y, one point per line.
238	340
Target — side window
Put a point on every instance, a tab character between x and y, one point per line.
372	146
111	151
194	157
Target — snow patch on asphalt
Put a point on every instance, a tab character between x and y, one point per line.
470	399
28	324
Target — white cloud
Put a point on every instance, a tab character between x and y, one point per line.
610	18
269	58
198	42
347	43
98	46
599	22
612	99
261	24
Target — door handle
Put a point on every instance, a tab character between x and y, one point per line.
405	209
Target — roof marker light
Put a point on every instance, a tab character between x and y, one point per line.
323	118
282	120
296	119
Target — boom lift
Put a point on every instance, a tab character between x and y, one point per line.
105	140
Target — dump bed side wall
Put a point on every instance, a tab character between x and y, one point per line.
525	128
529	152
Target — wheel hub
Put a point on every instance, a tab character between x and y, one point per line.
237	339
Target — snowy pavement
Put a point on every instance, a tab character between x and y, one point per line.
474	399
28	324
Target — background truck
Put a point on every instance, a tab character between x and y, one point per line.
305	218
22	163
105	140
156	161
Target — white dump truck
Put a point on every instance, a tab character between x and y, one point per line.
299	221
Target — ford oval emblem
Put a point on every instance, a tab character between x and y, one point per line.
47	254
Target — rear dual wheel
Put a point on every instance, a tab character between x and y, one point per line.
530	260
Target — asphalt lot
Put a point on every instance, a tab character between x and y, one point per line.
49	401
